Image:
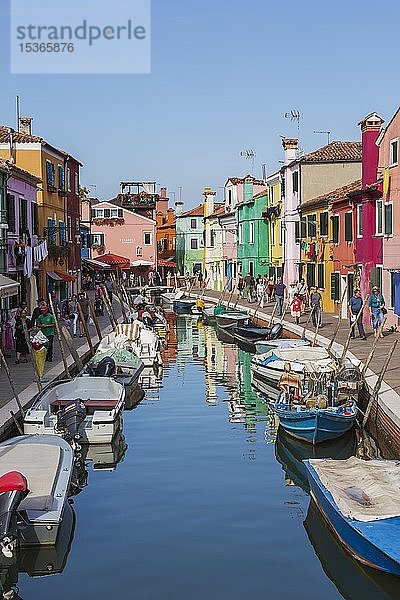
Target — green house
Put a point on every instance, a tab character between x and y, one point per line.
253	246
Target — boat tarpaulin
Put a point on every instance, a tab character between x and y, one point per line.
8	287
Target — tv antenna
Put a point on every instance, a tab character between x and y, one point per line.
249	155
328	133
294	116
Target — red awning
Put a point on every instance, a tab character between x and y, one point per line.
118	262
163	262
64	276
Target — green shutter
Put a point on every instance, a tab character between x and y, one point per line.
348	227
388	219
335	294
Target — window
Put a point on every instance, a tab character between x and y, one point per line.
61	181
147	238
11	212
35	219
139	251
114	213
375	276
99	213
323	224
348	227
23	216
273	223
251	233
50	173
51	231
335	287
335	229
394	152
193	224
379	218
310	274
359	221
312	225
76	182
389	219
251	268
229	197
321	276
120	213
303	229
194	244
107	213
69	230
271	194
212	238
69	179
62	233
295	181
240	233
98	239
392	289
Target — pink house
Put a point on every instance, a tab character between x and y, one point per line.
122	232
389	216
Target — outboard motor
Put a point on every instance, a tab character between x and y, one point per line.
276	331
13	489
70	418
104	368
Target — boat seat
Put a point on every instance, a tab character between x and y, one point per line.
39	463
91	404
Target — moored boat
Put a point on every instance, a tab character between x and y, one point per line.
120	364
271	365
230	318
183	305
85	410
252	333
137	338
264	346
360	501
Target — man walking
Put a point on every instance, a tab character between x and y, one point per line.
280	293
377	309
46	323
84	304
355	304
249	287
109	287
316	306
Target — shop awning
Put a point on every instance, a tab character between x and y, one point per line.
64	276
8	287
141	263
53	276
164	262
116	262
95	264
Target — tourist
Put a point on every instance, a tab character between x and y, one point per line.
280	293
270	289
200	279
240	285
295	308
152	277
290	384
169	278
84	304
46	324
302	291
21	347
37	311
377	309
356	304
316	306
109	287
73	314
249	281
292	290
260	292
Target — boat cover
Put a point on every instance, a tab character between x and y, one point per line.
363	490
119	355
130	330
39	463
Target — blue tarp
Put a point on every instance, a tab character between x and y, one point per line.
396	285
270	359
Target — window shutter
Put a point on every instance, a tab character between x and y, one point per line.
335	294
321	276
335	229
348	227
388	219
323	223
107	213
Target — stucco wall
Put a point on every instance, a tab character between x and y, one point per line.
317	179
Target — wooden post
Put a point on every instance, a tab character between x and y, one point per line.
28	343
70	344
124	315
95	320
339	321
85	327
109	310
231	294
303	335
273	314
11	382
378	383
373	347
352	326
17	425
316	333
56	325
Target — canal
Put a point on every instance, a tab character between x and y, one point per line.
206	503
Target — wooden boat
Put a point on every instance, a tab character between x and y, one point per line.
251	333
120	364
87	410
271	365
35	477
183	306
360	501
230	318
264	346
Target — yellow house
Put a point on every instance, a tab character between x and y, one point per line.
49	164
315	235
276	233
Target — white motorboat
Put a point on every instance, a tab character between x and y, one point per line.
168	297
271	365
264	346
35	474
86	410
137	338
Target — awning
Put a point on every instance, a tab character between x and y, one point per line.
95	264
53	276
141	263
117	262
8	287
64	276
164	262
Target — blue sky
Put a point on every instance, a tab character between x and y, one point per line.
224	72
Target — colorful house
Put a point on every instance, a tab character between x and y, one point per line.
166	241
253	231
388	216
213	258
276	233
189	239
368	212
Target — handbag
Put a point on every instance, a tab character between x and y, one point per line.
384	310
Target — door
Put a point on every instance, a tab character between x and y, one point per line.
344	285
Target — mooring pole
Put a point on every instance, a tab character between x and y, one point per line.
378	383
56	324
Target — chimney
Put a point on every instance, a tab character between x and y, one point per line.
178	208
370	129
209	197
163	192
162	202
25	125
290	146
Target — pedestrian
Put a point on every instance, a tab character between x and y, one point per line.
258	279
377	309
200	279
132	280
356	304
84	304
295	308
46	324
21	347
169	278
73	314
280	294
240	285
302	291
270	289
37	311
292	290
151	277
316	306
109	287
249	281
260	292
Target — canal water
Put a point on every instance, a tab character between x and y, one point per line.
206	503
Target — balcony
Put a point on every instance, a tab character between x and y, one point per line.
51	188
140	200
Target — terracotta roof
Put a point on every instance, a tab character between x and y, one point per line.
238	180
334	152
197	211
220	210
334	195
261	194
24	138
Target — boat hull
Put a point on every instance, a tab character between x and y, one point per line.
229	320
264	346
354	534
183	306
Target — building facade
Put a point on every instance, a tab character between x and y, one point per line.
253	246
276	233
189	239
